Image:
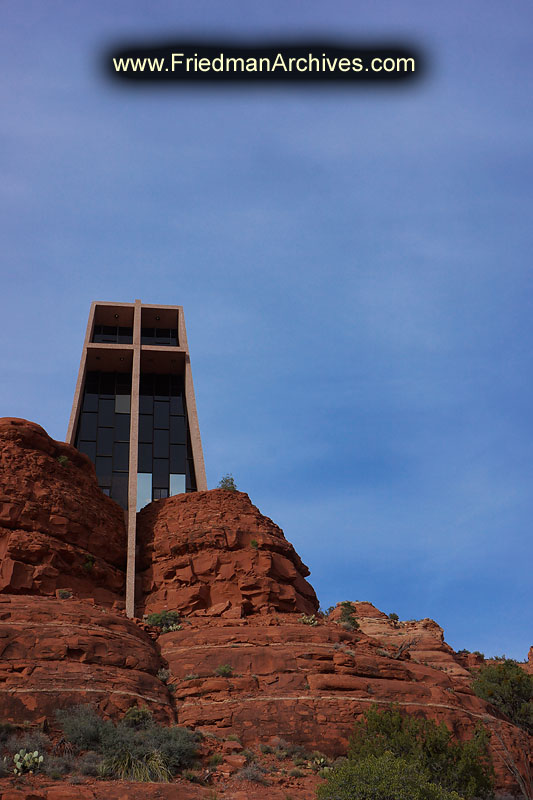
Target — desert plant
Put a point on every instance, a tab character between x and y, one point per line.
81	726
215	760
224	671
394	617
163	674
57	766
227	482
127	765
510	689
348	619
464	767
254	544
164	620
63	460
383	777
89	763
138	717
25	761
252	772
192	676
308	619
64	594
88	564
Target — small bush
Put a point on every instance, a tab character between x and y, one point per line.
163	675
215	760
81	726
348	619
138	717
29	741
7	730
252	772
381	778
308	620
90	764
57	766
192	776
164	620
63	460
510	689
224	671
248	754
227	482
88	564
192	676
127	765
254	544
5	768
394	617
296	773
266	749
64	594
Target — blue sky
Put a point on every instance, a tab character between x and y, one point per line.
354	268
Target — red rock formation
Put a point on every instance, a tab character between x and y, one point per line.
57	529
60	653
215	553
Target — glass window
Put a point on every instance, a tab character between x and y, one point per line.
146	428
177	484
146	404
178	457
145	458
88	425
176	405
125	335
90	402
146	384
91	382
104	442
107	384
144	489
89	448
106	412
122	404
103	470
161	444
178	432
161	388
160	473
121	456
161	414
119	488
122	427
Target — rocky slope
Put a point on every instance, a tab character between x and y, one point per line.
248	662
57	529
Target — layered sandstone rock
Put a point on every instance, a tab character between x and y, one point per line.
61	653
215	553
57	529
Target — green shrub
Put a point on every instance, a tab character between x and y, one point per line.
348	619
254	544
138	717
394	617
510	689
63	460
126	765
81	726
89	763
7	731
57	766
296	773
464	767
64	594
88	564
192	676
224	671
164	620
383	777
215	760
227	482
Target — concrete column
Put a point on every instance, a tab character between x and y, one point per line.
134	452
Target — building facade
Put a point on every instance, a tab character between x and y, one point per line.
134	411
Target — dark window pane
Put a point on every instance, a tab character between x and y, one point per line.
163	493
122	427
162	388
145	458
91	382
146	428
161	412
176	405
123	383
121	456
160	444
125	335
89	448
178	458
174	337
104	442
146	404
147	335
107	384
146	385
90	402
106	412
106	491
178	431
104	470
119	488
88	424
160	473
176	385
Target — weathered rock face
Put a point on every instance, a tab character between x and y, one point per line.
215	553
61	653
57	529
